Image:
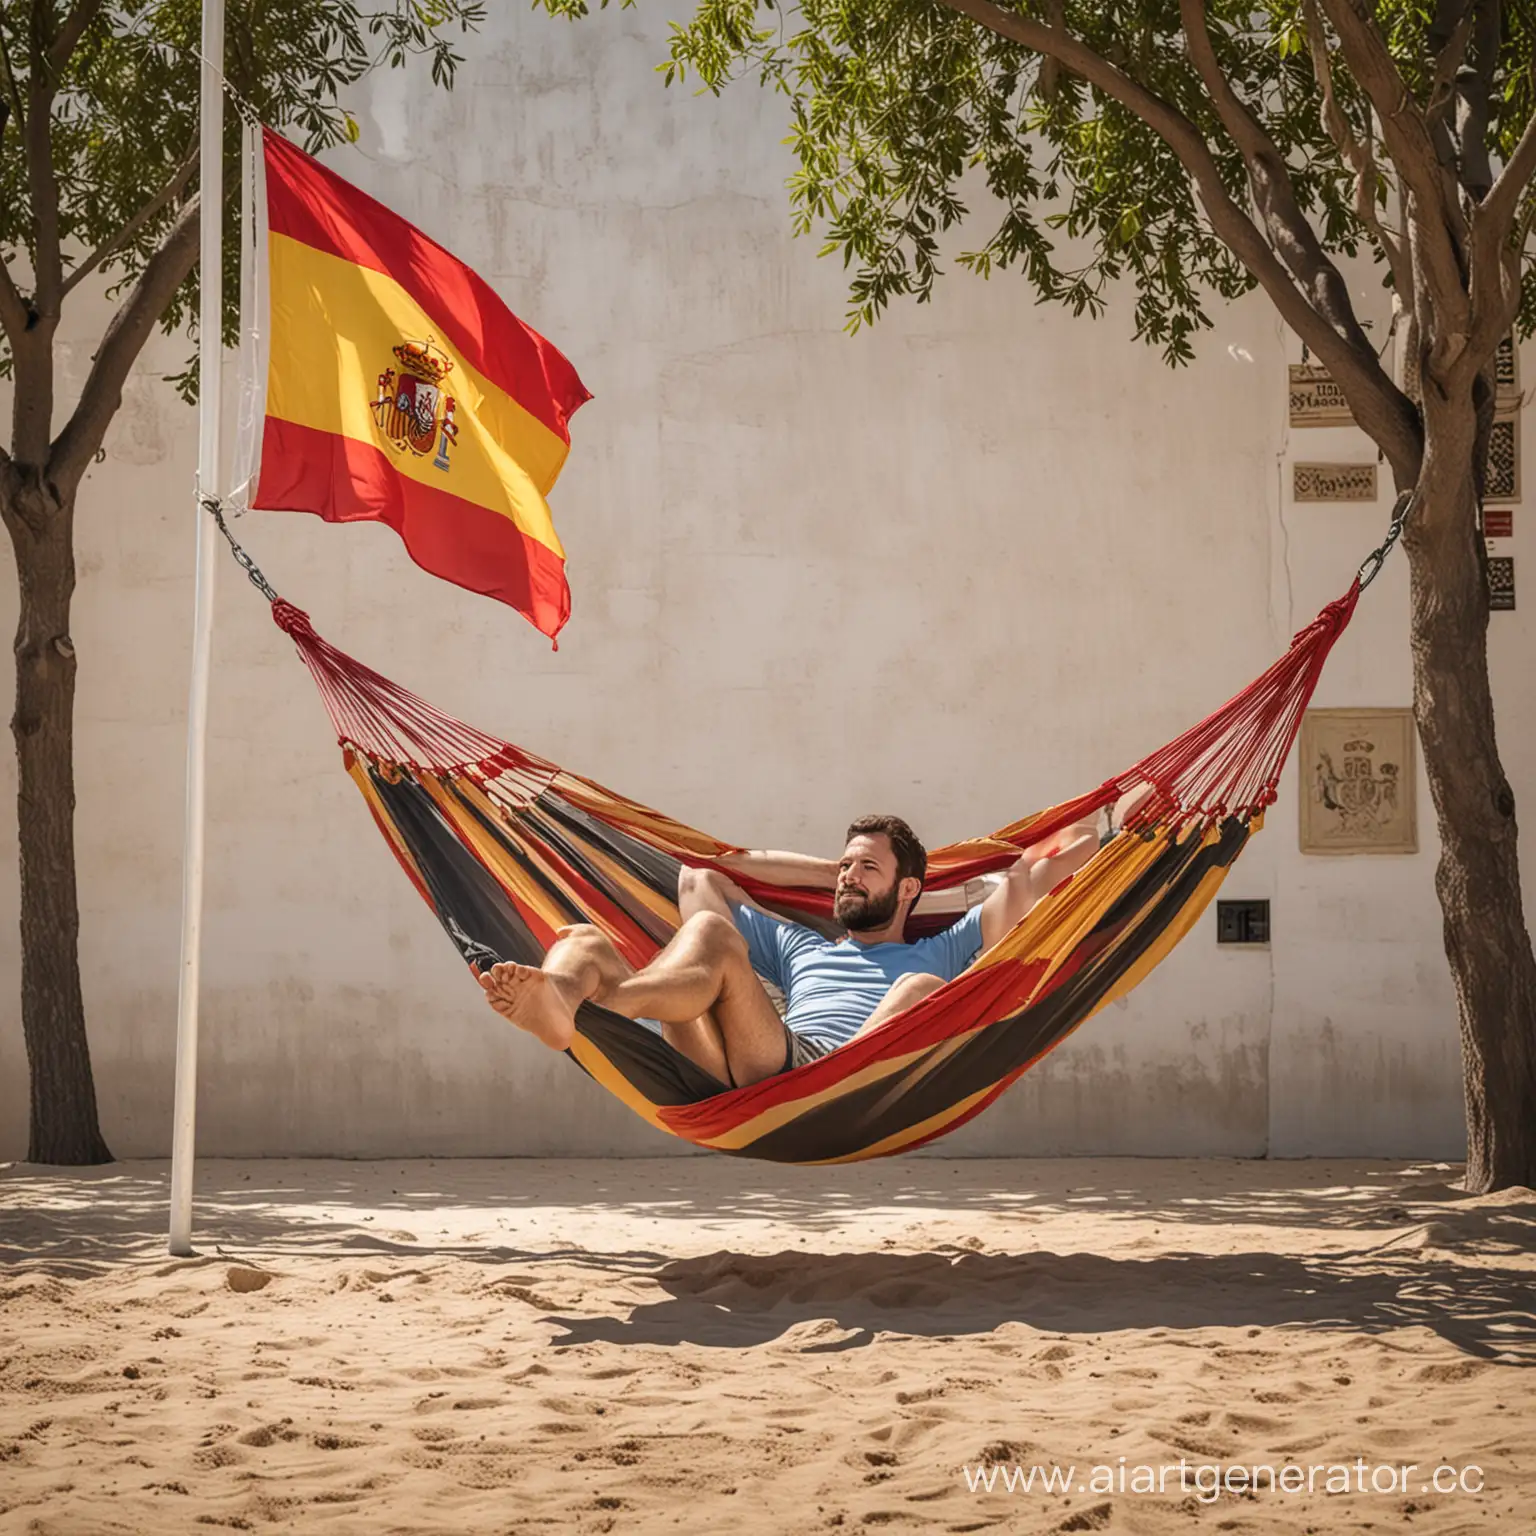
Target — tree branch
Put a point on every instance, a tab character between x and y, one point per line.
1449	34
1495	291
165	272
17	105
1497	259
1050	69
1496	212
1474	88
13	312
1450	30
1290	233
13	308
47	261
67	39
1380	407
1359	153
171	188
1433	205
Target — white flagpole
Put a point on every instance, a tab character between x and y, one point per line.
209	353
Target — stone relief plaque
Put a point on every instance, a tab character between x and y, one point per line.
1501	583
1506	368
1357	781
1503	475
1316	401
1333	482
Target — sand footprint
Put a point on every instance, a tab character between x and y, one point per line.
268	1434
1094	1518
212	1457
243	1280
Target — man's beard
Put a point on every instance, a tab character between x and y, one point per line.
860	913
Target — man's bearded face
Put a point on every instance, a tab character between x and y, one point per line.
862	910
867	894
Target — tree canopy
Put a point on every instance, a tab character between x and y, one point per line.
1191	148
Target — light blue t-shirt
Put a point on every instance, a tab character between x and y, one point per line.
832	987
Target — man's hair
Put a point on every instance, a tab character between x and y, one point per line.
911	856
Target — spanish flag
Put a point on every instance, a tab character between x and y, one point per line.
401	390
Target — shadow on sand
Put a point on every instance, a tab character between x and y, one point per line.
736	1299
1426	1255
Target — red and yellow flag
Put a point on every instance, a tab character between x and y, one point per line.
401	390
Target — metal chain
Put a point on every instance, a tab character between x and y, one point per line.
1374	561
212	506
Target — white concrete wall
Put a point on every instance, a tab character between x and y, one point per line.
959	567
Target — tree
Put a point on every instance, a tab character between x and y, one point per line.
1198	147
98	163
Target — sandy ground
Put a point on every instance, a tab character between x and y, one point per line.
700	1344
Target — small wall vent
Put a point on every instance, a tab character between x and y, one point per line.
1242	922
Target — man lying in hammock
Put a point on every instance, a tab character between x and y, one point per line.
704	987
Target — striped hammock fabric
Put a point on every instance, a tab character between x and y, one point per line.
507	848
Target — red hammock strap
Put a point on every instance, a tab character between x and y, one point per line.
389	724
1227	765
1230	763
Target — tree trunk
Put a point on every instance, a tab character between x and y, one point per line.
1478	878
63	1127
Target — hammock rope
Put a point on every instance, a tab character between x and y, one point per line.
507	848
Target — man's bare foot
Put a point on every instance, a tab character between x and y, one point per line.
543	1004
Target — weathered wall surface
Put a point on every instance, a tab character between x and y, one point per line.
959	567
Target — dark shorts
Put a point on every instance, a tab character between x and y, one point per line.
800	1049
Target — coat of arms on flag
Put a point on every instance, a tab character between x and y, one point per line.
407	405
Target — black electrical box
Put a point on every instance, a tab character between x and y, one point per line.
1242	922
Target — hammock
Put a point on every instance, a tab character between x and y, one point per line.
506	848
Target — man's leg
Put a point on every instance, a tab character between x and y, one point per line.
703	974
712	1008
702	1043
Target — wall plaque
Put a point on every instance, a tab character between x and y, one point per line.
1501	583
1333	482
1503	474
1506	369
1498	522
1316	401
1357	781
